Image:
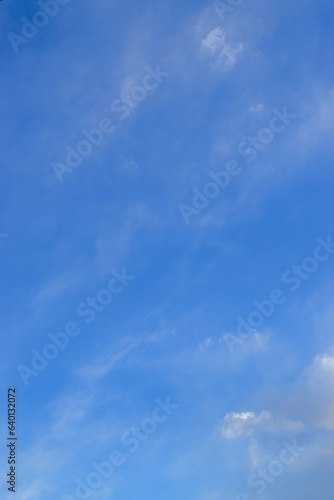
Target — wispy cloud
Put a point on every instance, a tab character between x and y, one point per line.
57	286
224	54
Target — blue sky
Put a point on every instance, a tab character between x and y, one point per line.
164	333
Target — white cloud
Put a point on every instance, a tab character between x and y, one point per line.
129	165
261	341
256	108
321	386
317	125
257	342
313	395
322	370
225	53
247	423
208	342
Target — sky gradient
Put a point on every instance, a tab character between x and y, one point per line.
166	249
